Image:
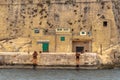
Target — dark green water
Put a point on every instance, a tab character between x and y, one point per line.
29	74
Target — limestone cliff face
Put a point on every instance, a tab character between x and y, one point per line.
19	17
116	10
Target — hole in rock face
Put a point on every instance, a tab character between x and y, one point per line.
78	20
51	26
72	29
31	1
75	10
98	14
108	7
41	5
102	3
46	30
103	17
56	17
105	23
35	10
40	23
86	9
45	16
70	23
81	15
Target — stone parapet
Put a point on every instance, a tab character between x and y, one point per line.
15	58
57	59
49	59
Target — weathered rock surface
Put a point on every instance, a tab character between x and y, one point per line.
19	18
90	59
116	10
15	45
15	32
115	56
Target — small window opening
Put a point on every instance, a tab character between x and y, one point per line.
56	17
105	23
89	33
62	38
66	29
83	32
72	29
86	9
36	31
59	29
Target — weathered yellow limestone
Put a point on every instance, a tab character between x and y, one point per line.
87	23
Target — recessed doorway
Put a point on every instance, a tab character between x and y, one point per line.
45	47
81	46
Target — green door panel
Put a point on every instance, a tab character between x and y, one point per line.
45	47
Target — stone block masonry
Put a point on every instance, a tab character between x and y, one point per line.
48	59
60	59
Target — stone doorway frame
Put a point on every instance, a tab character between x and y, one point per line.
87	44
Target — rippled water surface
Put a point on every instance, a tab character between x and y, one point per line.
39	74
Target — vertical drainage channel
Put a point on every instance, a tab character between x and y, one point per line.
77	60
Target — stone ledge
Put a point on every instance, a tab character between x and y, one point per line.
45	67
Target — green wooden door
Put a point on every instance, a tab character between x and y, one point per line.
45	47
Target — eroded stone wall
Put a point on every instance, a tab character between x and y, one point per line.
116	9
19	18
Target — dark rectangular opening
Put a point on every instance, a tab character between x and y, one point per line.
105	23
79	49
36	31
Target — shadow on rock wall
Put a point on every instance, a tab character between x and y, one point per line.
115	56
